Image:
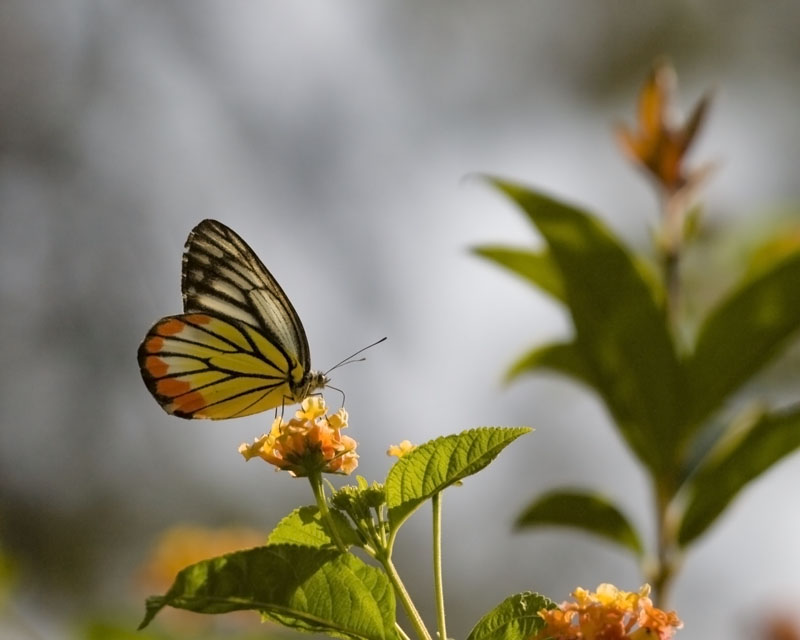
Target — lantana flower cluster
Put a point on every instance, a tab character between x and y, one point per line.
608	614
308	444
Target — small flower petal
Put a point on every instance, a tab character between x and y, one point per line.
401	449
311	408
338	420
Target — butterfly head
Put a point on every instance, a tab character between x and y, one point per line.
311	382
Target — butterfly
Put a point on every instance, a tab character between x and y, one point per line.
239	348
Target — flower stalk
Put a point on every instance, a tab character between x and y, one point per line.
315	479
405	599
436	503
659	147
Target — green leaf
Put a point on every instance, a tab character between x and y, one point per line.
304	526
516	618
537	267
306	588
621	331
733	465
562	357
583	510
743	333
440	463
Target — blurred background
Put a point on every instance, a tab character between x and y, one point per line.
339	139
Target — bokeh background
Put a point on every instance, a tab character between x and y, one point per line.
338	138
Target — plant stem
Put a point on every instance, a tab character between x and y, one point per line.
378	540
671	259
405	599
401	632
668	560
322	504
437	564
673	212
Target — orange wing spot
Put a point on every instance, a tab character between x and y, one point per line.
156	367
170	327
191	402
171	387
197	318
154	344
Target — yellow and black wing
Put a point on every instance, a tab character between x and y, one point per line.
239	348
223	275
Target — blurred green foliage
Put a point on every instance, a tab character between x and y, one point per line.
662	397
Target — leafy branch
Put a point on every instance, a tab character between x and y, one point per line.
661	396
307	579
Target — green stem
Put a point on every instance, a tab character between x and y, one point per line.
437	564
671	261
673	214
668	553
405	599
401	632
322	504
377	539
668	561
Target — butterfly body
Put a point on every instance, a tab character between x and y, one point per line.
239	348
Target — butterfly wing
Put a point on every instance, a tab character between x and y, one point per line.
222	275
200	365
239	348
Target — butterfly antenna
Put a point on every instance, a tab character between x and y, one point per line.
352	358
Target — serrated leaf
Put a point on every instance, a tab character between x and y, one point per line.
730	468
561	357
584	510
303	526
537	267
743	333
306	588
516	618
440	463
621	331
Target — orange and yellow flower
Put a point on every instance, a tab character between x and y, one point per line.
309	443
608	614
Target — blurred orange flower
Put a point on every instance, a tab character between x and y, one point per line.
181	546
781	626
608	614
184	545
309	443
658	144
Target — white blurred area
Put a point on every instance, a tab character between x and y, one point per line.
336	137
